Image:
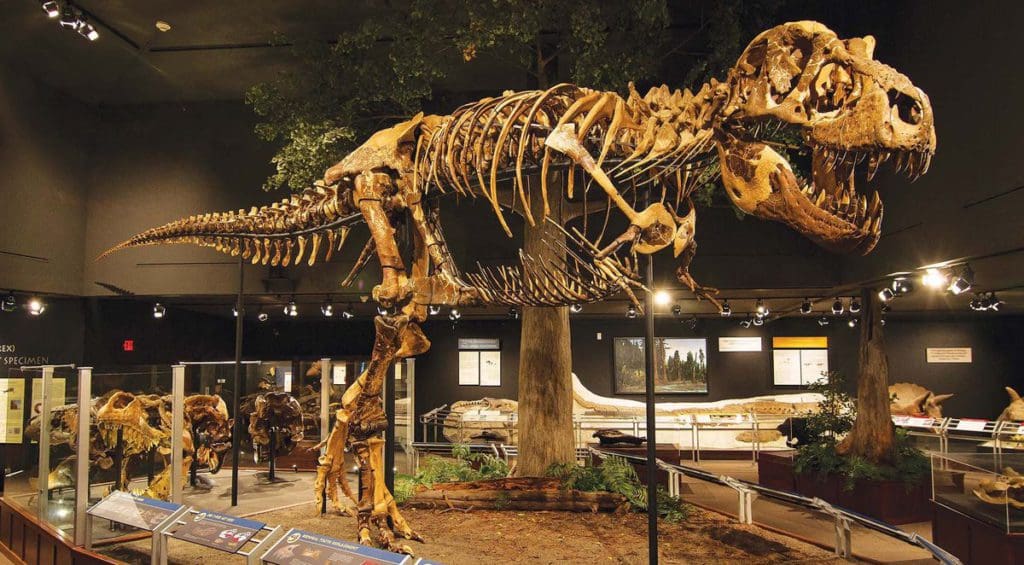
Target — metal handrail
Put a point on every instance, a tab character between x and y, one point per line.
817	504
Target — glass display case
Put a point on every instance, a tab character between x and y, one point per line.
985	486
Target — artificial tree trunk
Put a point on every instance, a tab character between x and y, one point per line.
872	436
545	363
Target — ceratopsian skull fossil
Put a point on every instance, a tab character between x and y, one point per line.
1014	411
908	399
849	108
208	416
276	411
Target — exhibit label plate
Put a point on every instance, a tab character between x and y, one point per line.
813	342
914	422
479	343
949	355
971	425
219	531
137	511
299	547
732	344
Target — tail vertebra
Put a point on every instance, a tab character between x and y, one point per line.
278	234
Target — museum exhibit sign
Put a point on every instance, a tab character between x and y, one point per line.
680	365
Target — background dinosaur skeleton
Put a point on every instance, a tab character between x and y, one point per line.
848	108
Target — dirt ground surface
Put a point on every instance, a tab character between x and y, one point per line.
457	538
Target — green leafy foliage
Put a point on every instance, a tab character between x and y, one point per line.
827	427
619	476
462	466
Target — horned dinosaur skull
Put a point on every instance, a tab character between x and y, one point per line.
1014	411
849	109
276	411
908	399
208	416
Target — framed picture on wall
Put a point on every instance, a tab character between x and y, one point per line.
680	365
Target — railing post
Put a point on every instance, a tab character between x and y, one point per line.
178	430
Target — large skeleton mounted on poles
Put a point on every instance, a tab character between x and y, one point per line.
848	108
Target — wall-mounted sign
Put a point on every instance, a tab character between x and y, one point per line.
971	425
298	547
732	344
287	381
338	374
949	355
490	368
469	368
137	511
815	342
799	367
479	343
216	530
12	410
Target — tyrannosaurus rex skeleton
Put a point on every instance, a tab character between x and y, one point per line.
848	108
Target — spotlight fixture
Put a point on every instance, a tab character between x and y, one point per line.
262	316
726	310
234	311
975	303
662	298
994	303
327	309
837	307
433	309
758	321
854	305
677	310
348	314
805	307
981	302
87	30
745	323
631	311
886	308
576	308
823	321
292	309
935	278
902	285
9	303
36	306
454	314
52	9
691	323
513	312
886	294
963	281
159	311
852	322
762	308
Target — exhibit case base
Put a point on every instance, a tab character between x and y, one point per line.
973	540
894	502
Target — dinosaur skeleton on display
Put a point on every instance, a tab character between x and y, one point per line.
143	423
275	411
848	108
908	399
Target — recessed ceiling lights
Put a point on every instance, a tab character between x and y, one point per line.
726	310
159	311
163	26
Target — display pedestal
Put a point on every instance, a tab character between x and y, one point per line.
889	501
667	452
974	541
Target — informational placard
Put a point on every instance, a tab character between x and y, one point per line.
299	547
216	530
971	425
469	368
813	365
920	422
479	343
136	511
287	381
58	387
12	410
808	342
949	355
786	366
734	344
799	367
339	373
490	368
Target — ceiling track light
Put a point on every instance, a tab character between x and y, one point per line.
852	322
348	314
758	321
963	281
291	309
36	306
902	286
454	314
52	9
433	309
806	307
823	321
745	323
87	30
513	312
159	311
886	294
327	309
677	310
761	308
854	305
662	298
935	278
726	310
68	17
631	312
262	316
576	308
837	307
9	303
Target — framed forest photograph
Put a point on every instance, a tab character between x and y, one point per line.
680	365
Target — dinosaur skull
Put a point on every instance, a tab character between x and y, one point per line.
851	111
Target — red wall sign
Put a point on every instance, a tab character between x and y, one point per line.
128	345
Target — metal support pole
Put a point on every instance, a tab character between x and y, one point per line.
44	441
177	430
325	401
82	463
236	434
652	453
389	433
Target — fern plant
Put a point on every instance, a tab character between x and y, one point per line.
619	476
